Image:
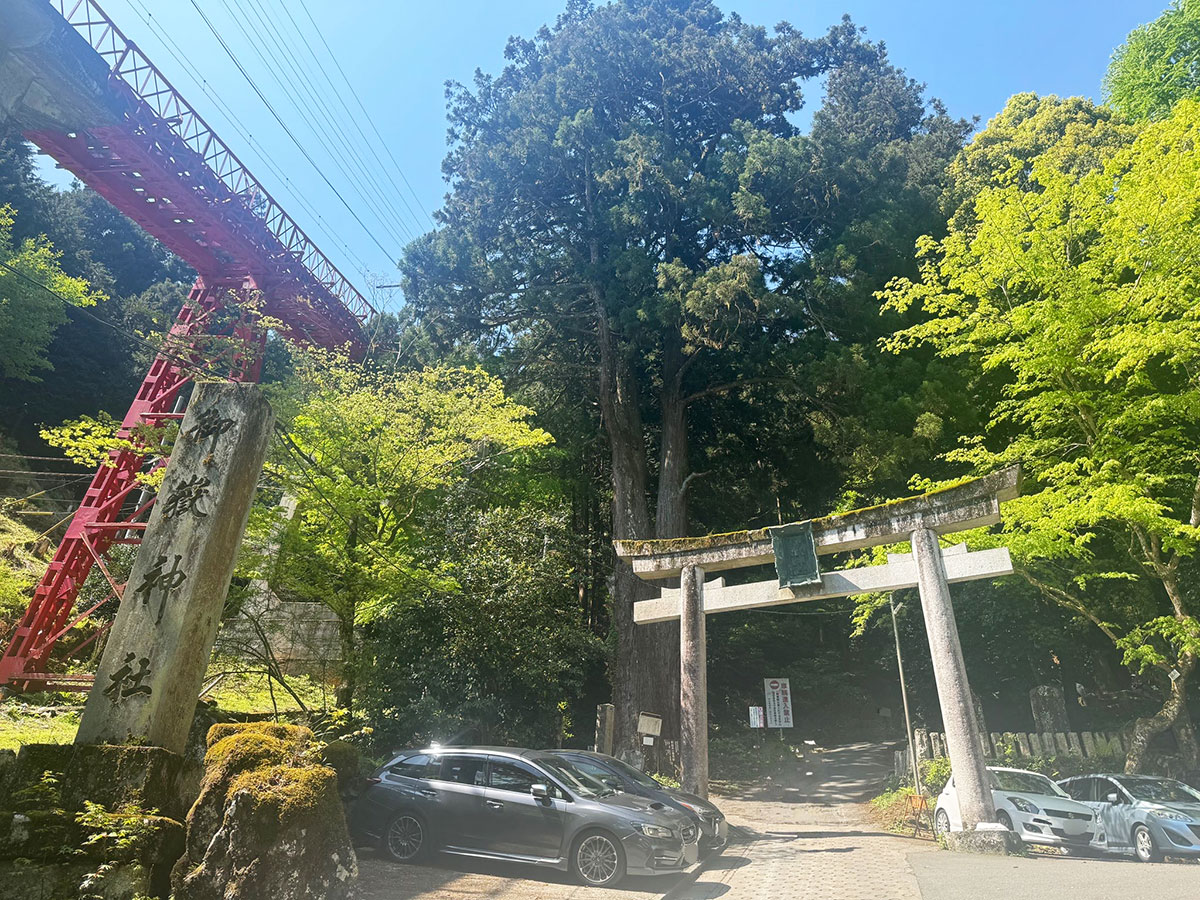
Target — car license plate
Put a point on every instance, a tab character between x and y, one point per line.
691	853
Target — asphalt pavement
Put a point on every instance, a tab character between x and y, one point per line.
807	836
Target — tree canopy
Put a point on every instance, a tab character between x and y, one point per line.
1158	64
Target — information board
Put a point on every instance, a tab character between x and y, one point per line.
778	702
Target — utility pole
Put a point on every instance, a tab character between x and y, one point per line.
908	732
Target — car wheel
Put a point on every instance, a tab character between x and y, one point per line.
598	859
407	838
1005	819
941	823
1143	845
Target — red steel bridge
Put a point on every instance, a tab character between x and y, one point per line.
81	91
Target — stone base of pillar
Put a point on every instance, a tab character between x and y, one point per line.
993	843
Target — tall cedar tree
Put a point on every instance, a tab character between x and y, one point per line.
609	194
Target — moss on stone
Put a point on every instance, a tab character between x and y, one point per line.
283	796
293	734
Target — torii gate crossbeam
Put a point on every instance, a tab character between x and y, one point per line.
919	520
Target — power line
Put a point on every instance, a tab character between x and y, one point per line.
370	120
298	68
233	58
177	53
374	203
358	100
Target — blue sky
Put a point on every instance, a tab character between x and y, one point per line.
398	56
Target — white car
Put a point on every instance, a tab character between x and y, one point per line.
1032	805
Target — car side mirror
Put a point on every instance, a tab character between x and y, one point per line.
1113	798
540	791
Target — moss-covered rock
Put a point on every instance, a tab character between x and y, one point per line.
267	823
44	835
297	735
112	776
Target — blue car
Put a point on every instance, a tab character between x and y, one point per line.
714	830
1142	815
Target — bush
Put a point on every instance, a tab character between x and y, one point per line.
891	809
935	773
734	757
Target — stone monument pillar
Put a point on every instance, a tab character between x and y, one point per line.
1049	709
159	646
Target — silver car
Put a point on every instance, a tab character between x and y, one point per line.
521	805
1143	815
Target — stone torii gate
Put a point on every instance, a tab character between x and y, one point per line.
794	549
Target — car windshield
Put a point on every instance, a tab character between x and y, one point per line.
1025	782
1159	790
634	775
579	782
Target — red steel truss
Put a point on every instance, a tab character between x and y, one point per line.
161	164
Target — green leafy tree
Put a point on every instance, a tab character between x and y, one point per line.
29	313
362	453
1070	294
1158	64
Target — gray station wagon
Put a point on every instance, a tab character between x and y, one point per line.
1143	815
714	830
521	805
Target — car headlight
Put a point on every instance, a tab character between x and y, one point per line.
1023	805
654	831
1173	816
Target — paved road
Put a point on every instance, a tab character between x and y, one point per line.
459	878
807	837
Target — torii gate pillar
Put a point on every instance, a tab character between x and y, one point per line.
964	740
920	519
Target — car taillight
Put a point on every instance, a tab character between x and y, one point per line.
374	780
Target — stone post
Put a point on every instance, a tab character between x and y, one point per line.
606	719
1049	708
693	683
159	646
964	741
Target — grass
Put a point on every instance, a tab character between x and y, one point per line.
244	692
21	724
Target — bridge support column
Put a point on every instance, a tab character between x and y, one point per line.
964	742
693	684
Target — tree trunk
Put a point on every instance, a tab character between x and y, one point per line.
658	649
620	410
1149	727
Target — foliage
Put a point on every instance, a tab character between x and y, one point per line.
1158	64
1071	293
504	656
364	453
115	837
631	200
744	756
30	313
934	774
242	689
892	810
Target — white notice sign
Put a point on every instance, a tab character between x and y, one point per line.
779	702
756	717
